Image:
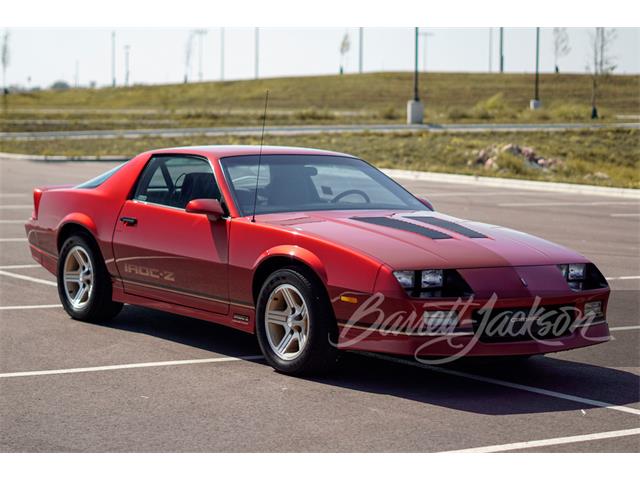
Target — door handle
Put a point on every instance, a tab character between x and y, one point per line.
129	221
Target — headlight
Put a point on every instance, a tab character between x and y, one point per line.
431	278
576	271
582	276
406	278
432	283
573	271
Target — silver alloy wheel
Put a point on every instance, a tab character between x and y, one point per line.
78	277
287	322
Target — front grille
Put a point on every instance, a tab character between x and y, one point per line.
522	324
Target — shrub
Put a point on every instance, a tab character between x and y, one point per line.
456	113
493	107
389	113
314	114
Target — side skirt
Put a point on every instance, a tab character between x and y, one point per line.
240	318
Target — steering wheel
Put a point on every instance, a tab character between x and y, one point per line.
353	191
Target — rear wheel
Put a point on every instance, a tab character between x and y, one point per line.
295	324
84	285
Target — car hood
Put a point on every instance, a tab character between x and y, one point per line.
413	240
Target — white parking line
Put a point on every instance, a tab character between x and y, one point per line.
129	366
30	279
564	204
12	222
29	307
15	207
15	239
19	267
480	378
625	215
13	195
504	383
630	327
628	277
549	441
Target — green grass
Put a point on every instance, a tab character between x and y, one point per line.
366	98
608	157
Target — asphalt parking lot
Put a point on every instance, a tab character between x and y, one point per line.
151	381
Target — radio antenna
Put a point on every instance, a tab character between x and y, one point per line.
264	121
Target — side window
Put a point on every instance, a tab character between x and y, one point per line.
175	181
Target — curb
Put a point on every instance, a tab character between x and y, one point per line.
314	130
514	184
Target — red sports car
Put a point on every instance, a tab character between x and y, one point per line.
315	252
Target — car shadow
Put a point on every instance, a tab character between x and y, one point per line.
435	387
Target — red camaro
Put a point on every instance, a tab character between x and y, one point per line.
315	252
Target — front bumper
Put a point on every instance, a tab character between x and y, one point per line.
396	326
457	345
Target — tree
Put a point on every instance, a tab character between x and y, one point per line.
601	41
561	46
5	63
187	57
345	45
60	85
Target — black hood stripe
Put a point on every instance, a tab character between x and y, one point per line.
406	226
454	227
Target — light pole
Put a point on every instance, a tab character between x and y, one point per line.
415	109
257	52
490	49
200	34
221	53
536	103
5	63
113	59
501	49
360	48
127	49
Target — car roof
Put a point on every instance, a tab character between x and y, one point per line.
220	151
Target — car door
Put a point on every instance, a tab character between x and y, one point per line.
164	253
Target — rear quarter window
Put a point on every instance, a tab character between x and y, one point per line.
100	179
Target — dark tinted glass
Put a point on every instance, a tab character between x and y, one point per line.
175	181
100	179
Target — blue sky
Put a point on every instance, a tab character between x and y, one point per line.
158	54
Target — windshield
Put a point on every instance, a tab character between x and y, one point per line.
294	183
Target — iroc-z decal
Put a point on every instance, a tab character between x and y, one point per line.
150	272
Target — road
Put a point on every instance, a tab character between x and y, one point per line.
150	381
308	130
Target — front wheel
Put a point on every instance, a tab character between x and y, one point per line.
295	324
84	285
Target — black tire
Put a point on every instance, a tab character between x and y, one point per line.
99	305
319	354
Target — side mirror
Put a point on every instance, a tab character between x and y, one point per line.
207	206
427	203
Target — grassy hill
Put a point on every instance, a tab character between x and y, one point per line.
607	156
366	98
